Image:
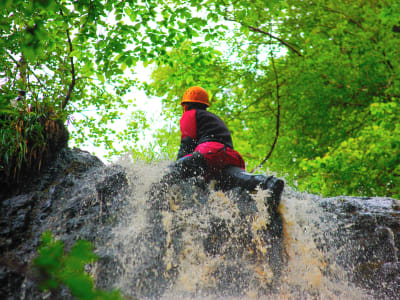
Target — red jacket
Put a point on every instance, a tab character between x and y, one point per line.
206	133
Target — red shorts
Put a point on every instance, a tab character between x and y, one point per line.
218	156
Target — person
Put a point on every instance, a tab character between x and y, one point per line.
207	150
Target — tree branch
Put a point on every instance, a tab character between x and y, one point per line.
238	113
72	84
347	16
27	66
278	114
255	29
276	38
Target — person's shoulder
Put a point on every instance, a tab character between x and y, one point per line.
189	114
203	112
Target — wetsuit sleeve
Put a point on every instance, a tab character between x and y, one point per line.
187	146
188	133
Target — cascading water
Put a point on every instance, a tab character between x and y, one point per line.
191	241
194	242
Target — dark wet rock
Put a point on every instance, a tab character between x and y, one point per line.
229	239
369	239
73	198
76	197
16	214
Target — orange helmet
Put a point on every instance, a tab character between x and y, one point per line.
196	94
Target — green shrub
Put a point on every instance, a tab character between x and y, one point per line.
57	267
28	134
366	165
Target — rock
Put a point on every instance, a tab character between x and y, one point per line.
74	198
236	239
369	236
15	221
188	222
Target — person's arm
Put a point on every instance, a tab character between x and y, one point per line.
187	146
188	133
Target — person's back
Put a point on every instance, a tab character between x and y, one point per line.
210	127
207	149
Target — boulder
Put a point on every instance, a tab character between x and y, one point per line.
189	238
369	238
75	197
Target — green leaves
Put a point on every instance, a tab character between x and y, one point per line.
5	107
57	267
336	76
337	67
28	133
367	164
35	34
81	54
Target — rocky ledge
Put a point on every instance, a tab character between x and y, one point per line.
75	197
78	197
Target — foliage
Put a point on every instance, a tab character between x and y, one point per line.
28	135
81	55
366	164
57	267
165	147
5	107
298	82
310	76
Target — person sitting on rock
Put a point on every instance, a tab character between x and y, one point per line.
207	150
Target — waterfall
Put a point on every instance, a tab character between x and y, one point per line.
193	242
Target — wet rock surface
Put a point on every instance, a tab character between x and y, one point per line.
78	197
197	232
369	237
75	197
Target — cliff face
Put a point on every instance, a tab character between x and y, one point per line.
190	239
369	234
75	197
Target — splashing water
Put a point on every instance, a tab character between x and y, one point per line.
194	242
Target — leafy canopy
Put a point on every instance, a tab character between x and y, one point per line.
79	56
309	89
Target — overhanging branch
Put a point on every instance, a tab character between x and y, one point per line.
276	38
255	29
27	66
72	84
278	114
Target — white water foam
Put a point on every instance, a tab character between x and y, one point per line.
310	271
